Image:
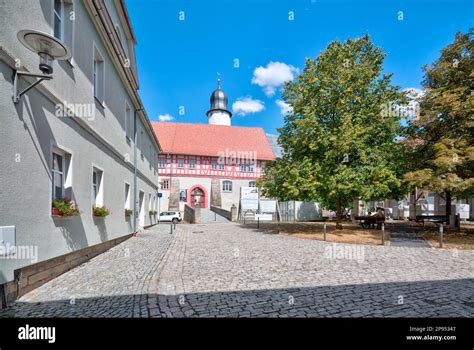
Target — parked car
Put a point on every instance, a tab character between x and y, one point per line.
173	216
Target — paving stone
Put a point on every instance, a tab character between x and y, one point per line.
230	271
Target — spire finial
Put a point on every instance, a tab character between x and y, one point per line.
218	80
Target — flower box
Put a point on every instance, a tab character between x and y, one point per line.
64	208
100	212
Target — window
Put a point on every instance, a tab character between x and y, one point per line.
214	164
180	163
221	166
165	185
58	14
192	163
98	76
227	186
250	167
58	176
127	196
161	163
97	188
128	122
142	142
252	183
61	176
243	167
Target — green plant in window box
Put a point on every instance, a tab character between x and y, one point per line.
64	207
128	212
100	211
152	212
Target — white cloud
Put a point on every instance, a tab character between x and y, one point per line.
273	75
285	108
165	117
246	105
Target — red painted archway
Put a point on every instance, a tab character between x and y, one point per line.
201	191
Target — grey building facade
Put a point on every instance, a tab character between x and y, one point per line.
72	136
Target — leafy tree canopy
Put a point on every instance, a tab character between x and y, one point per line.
339	141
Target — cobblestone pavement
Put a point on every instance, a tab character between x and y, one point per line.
113	284
225	270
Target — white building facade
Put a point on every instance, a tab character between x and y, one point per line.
72	137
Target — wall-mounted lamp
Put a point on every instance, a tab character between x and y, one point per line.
48	48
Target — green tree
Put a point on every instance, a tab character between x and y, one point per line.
339	139
440	141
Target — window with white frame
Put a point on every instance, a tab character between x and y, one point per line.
192	163
180	163
97	187
252	183
227	186
214	164
127	195
98	76
58	176
165	184
161	162
250	167
221	165
243	167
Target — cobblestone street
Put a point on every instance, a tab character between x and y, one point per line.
226	270
113	284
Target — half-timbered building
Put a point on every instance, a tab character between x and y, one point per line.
207	164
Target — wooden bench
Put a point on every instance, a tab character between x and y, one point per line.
437	219
370	221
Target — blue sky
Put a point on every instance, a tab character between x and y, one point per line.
178	61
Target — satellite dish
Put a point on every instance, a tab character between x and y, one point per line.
47	47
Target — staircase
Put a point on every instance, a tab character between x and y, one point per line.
209	217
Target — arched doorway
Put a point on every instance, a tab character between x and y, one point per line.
197	197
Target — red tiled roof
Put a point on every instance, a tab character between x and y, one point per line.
209	140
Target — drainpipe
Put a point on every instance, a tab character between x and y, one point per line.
135	189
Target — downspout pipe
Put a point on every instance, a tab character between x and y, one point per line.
135	187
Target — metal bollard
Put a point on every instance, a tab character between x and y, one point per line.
171	229
441	231
325	230
383	234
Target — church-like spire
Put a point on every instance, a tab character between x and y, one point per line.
218	113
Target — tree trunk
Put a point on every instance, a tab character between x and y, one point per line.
338	214
448	206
